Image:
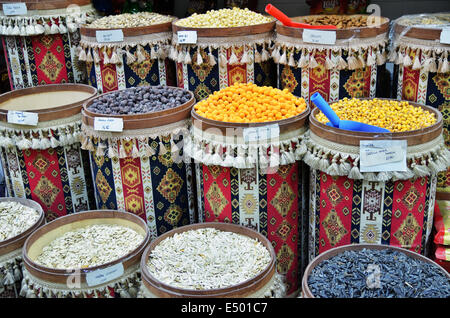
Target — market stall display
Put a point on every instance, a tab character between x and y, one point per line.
42	160
40	43
374	271
248	166
224	47
18	219
336	63
421	73
357	197
93	254
139	167
210	260
128	50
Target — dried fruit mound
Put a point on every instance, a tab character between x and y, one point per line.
249	103
383	273
397	116
139	100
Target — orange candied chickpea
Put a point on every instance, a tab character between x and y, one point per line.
247	103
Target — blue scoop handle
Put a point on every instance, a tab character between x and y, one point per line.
336	122
322	104
358	126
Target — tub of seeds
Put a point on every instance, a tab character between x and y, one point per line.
84	255
210	260
40	43
140	168
228	46
374	271
128	50
346	63
18	219
357	197
421	69
247	144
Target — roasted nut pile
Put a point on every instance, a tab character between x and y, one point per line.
139	100
89	246
207	259
128	20
397	116
15	218
340	21
249	103
224	18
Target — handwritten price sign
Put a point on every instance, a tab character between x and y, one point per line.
22	118
108	124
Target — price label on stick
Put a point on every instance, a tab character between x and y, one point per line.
109	36
16	8
383	155
23	118
187	37
108	124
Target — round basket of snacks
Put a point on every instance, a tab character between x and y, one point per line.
93	254
210	260
18	219
374	187
247	143
128	50
228	46
139	166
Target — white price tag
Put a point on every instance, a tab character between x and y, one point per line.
22	118
187	37
109	36
383	155
16	8
108	124
445	36
268	132
102	276
319	37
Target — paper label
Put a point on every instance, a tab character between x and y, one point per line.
187	37
445	36
104	275
108	124
16	8
268	132
383	155
319	37
109	36
23	118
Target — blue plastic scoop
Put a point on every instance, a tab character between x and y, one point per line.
336	122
